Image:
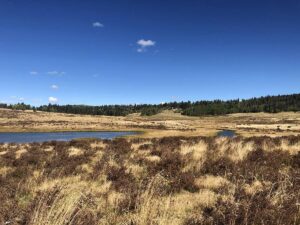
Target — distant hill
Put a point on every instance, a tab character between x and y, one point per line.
270	104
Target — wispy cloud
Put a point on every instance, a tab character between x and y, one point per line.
55	72
52	72
54	86
144	44
53	100
98	24
33	73
16	99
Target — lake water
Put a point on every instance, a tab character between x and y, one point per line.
226	133
57	136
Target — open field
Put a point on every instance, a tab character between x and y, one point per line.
173	180
175	172
164	124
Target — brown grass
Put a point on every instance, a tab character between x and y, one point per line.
174	180
167	123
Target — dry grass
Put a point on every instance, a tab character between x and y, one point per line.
75	151
62	208
174	180
5	170
167	123
20	152
212	182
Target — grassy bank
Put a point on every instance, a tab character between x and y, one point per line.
164	124
175	180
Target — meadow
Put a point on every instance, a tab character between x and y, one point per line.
164	124
171	180
176	171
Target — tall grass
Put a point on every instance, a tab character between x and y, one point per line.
176	180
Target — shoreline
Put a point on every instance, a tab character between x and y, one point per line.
167	123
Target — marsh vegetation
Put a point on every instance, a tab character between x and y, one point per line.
166	123
174	180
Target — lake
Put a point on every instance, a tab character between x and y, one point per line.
226	133
58	136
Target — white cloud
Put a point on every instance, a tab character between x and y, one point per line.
33	73
98	24
144	44
21	99
55	72
54	86
52	100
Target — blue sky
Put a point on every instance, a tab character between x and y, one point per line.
135	51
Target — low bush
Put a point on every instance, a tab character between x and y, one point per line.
152	181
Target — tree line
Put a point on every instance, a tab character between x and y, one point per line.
270	104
